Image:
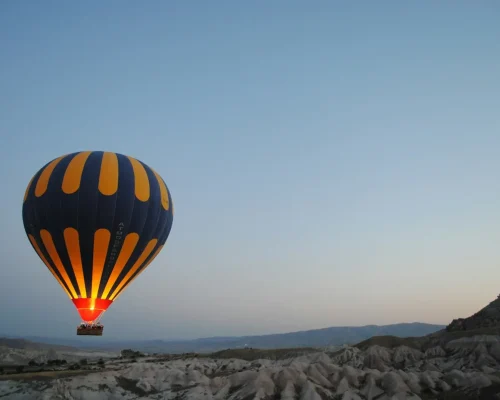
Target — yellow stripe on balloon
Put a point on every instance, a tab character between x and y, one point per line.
147	251
43	181
73	175
42	257
141	180
145	266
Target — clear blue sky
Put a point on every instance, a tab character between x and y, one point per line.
331	163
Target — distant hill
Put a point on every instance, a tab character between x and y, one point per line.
482	324
16	351
23	344
487	317
333	336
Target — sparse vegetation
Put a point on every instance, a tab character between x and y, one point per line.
103	387
129	353
251	354
130	385
43	375
57	362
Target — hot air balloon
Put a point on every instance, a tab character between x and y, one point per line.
97	220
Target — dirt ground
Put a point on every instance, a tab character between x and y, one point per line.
43	375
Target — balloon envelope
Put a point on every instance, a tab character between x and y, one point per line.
97	220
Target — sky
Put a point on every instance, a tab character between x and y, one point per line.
331	163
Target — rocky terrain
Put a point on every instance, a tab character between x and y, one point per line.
467	367
450	364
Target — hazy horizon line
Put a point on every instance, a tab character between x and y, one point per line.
3	336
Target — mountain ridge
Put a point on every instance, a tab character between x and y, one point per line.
322	337
486	317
